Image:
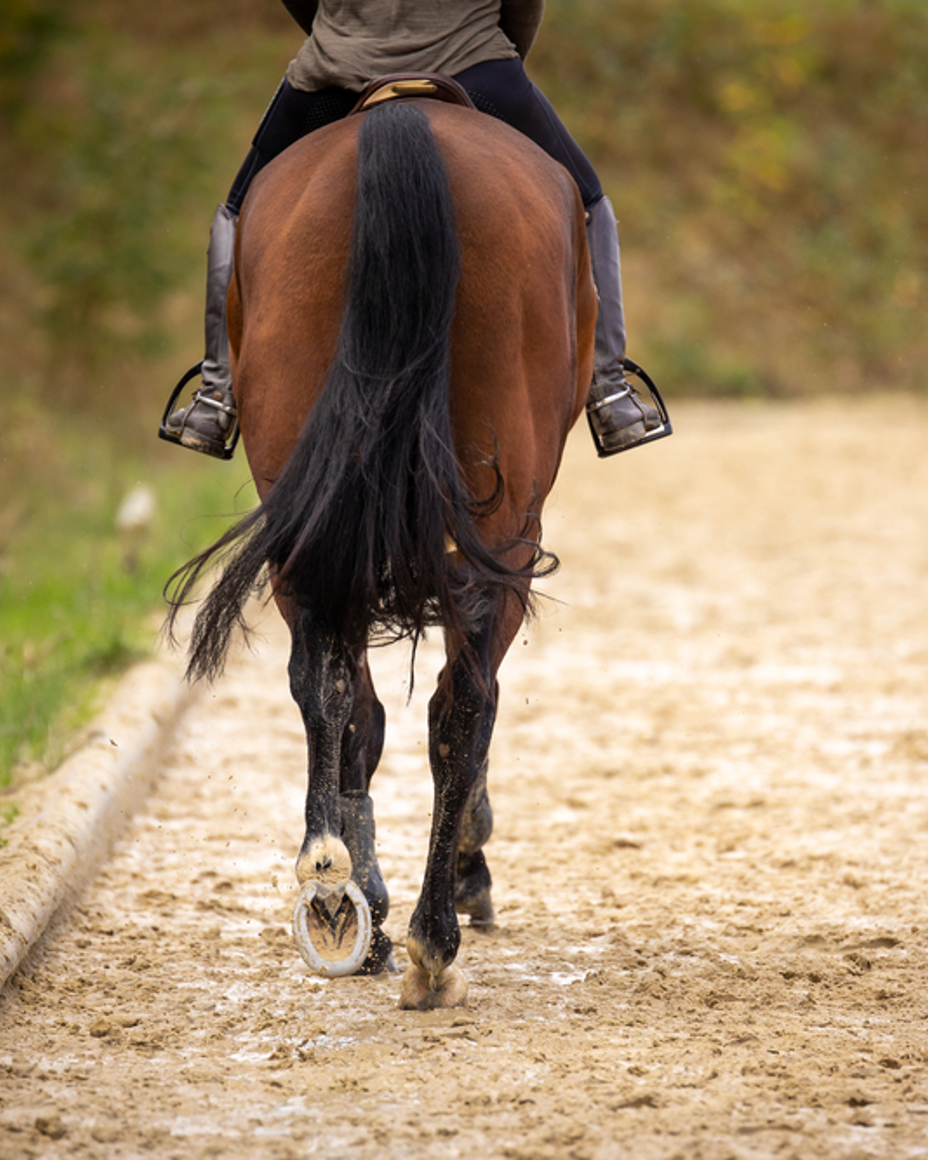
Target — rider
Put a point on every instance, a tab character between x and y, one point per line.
481	44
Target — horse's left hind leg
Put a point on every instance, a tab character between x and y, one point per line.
344	737
321	685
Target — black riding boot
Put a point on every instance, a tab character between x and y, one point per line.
207	423
619	416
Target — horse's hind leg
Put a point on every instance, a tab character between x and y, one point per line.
461	716
344	736
320	683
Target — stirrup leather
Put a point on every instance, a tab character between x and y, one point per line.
231	440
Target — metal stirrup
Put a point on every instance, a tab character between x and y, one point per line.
614	398
201	396
231	436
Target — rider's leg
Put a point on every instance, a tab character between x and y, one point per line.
619	418
205	423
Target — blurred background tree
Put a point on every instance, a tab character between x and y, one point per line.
767	160
120	129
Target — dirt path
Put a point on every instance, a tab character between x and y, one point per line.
710	778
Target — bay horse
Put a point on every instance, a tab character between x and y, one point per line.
411	330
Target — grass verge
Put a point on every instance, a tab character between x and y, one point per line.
79	595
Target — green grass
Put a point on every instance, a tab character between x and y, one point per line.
78	599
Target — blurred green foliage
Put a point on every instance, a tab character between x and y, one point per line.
115	144
767	160
106	157
77	592
104	246
28	31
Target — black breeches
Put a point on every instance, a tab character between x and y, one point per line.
499	88
291	115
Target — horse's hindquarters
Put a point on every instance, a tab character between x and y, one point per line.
404	400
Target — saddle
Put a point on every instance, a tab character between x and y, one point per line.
406	86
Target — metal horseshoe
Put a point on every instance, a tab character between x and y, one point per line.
304	942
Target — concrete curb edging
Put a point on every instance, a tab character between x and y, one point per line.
52	853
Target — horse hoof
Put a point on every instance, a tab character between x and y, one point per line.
418	994
472	889
332	933
480	909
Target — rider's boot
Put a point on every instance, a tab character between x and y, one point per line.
619	417
206	423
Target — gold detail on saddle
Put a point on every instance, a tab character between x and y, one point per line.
400	86
397	89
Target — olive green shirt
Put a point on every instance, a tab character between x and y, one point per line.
354	41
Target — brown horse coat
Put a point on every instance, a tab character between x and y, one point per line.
522	341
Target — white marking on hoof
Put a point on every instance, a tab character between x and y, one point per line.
326	862
421	991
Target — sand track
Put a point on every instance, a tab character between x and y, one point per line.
710	778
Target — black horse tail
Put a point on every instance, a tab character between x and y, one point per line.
357	527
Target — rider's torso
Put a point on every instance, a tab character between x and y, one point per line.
354	41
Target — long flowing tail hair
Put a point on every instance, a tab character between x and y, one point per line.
358	525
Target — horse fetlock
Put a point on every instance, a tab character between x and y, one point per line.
356	811
430	958
380	956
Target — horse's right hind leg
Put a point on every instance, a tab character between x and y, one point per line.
462	713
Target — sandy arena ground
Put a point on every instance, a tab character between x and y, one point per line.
710	777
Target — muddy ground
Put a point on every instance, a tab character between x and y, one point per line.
710	777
